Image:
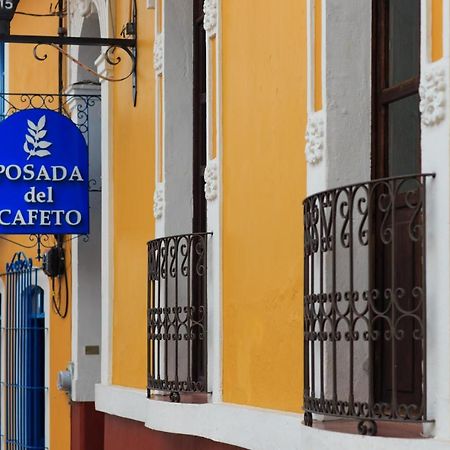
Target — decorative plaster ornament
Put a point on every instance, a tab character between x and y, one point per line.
210	17
158	203
158	54
315	140
85	7
211	181
432	97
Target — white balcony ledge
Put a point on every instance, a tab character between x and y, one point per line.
247	427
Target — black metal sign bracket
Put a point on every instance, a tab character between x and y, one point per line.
128	44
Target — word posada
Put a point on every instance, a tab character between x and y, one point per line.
38	216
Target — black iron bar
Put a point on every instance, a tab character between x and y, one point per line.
370	277
177	315
351	330
321	304
424	308
189	321
306	325
393	298
333	298
61	33
365	301
176	312
69	40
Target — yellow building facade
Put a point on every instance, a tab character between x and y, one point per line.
212	306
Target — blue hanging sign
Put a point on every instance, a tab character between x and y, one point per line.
44	175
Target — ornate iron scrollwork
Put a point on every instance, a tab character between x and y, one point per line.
128	44
76	107
367	428
177	315
359	303
175	397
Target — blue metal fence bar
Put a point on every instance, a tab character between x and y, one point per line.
1	368
22	406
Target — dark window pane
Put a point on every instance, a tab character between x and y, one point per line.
404	136
404	40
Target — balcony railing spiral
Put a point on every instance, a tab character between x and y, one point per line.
177	315
365	302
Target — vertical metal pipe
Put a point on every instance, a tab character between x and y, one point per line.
334	295
16	360
158	315
322	249
313	297
20	357
2	337
372	229
306	322
149	302
424	299
7	362
61	33
190	289
205	305
166	314
176	320
351	397
393	188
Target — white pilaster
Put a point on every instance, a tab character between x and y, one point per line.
107	221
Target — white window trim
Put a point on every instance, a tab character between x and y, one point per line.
435	158
344	134
214	204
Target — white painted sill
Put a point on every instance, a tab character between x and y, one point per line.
247	427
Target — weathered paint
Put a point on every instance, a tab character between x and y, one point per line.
264	172
133	162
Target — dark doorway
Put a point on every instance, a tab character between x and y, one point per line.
396	152
199	200
200	124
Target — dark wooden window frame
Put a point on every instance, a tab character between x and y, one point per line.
382	94
200	121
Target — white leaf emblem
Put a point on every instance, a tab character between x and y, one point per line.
31	125
43	144
42	153
36	133
41	123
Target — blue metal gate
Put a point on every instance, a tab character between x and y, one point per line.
22	358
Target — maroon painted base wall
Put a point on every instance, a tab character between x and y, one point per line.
123	434
87	427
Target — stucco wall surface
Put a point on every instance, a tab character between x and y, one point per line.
264	118
133	169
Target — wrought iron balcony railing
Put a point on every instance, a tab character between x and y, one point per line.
177	315
365	302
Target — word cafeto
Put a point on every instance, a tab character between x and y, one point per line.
33	196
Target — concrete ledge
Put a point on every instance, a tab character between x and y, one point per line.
247	427
121	401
